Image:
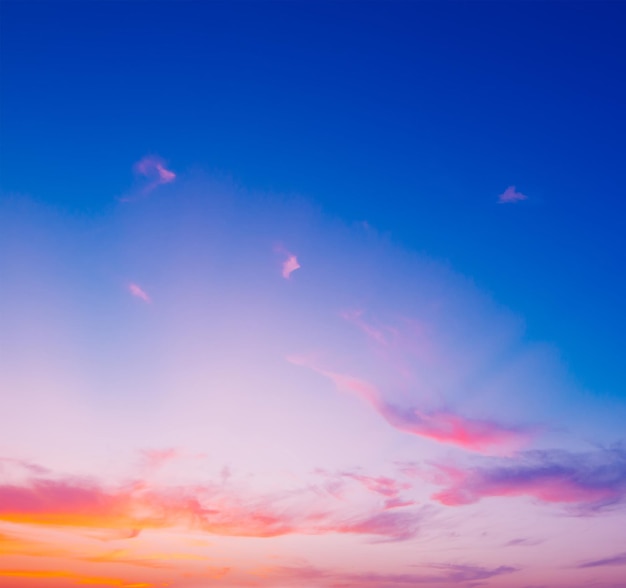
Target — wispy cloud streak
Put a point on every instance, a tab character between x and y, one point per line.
614	560
442	426
139	292
444	573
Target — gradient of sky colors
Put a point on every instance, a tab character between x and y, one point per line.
312	295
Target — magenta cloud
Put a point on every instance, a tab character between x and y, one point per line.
510	195
592	481
444	426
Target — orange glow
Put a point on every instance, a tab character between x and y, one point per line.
76	578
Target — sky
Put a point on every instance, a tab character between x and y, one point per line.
315	294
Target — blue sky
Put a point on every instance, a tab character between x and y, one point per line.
412	116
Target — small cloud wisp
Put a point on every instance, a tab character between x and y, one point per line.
510	196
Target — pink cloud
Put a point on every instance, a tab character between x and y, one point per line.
592	481
138	292
447	427
382	485
122	511
290	265
290	262
477	435
510	195
356	318
153	169
155	458
393	526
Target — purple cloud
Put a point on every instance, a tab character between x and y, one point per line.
510	195
478	435
445	573
615	560
590	482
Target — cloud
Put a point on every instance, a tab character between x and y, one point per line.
378	335
290	265
155	458
615	560
391	526
290	261
151	172
153	168
510	195
33	468
523	541
211	508
138	292
444	573
591	481
384	486
446	427
380	484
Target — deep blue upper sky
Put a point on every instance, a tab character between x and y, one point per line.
412	116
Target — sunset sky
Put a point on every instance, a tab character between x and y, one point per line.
312	294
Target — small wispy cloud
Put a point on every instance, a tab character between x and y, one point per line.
614	560
511	195
290	265
290	261
384	486
138	292
154	170
153	459
151	172
523	541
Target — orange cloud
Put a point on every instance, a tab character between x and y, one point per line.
74	578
